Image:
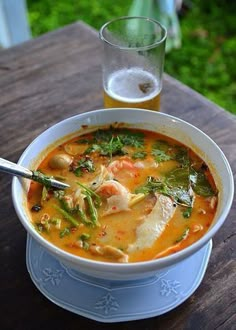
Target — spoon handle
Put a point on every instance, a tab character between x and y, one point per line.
18	170
14	169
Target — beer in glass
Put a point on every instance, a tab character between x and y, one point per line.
134	49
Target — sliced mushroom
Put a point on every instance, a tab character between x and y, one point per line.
110	252
60	161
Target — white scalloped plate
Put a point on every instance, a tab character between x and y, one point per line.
115	301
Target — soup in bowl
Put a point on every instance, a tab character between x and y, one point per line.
145	192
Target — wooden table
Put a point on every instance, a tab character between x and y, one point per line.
59	75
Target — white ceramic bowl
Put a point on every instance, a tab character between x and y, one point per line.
155	121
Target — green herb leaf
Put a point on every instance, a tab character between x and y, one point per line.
126	136
67	204
139	155
187	212
85	164
39	227
103	135
160	156
178	183
131	138
59	194
179	177
42	227
38	176
92	209
92	148
91	193
64	232
83	216
110	142
179	195
200	184
151	186
161	145
56	222
93	201
67	216
182	156
112	148
44	196
84	239
160	151
183	236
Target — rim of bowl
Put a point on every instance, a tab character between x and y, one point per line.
141	265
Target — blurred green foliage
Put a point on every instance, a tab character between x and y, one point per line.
206	60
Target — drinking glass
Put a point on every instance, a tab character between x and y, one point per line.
133	60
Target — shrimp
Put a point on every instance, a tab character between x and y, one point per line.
123	168
117	196
118	165
111	187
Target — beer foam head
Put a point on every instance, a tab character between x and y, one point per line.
132	85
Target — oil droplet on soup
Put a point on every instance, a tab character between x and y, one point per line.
134	195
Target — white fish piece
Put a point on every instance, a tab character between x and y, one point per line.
154	224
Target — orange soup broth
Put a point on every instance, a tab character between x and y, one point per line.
120	229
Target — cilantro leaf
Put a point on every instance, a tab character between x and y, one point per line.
111	148
131	138
85	164
139	155
182	156
160	156
161	151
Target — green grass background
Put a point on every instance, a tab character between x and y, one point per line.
206	60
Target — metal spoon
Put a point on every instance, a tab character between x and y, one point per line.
18	170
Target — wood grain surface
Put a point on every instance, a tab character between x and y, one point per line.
59	75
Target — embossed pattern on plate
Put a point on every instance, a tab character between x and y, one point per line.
115	301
